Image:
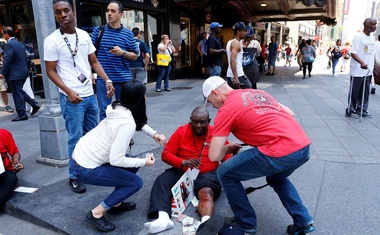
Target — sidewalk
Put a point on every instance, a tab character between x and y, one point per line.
339	185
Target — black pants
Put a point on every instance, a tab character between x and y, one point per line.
8	182
20	97
356	92
309	68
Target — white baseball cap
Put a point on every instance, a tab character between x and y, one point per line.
211	84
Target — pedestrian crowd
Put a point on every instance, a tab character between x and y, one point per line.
101	129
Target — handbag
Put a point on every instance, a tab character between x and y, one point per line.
311	59
337	55
163	60
174	63
347	56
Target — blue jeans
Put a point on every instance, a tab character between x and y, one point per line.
101	95
125	181
163	73
334	63
214	70
79	119
251	164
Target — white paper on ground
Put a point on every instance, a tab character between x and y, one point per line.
22	189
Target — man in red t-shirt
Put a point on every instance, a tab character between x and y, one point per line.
11	163
279	144
188	148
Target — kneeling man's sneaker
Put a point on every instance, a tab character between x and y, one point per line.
297	230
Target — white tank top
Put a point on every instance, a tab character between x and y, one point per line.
239	57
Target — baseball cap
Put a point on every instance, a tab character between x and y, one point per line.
249	32
239	26
214	25
211	84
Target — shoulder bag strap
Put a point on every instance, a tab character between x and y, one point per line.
100	35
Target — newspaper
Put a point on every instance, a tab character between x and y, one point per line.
183	193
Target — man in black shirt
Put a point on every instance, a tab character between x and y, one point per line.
215	51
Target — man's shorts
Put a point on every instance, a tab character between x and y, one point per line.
272	61
3	85
209	180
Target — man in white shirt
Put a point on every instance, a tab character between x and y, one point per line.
361	69
69	56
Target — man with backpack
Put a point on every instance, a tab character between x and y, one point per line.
116	47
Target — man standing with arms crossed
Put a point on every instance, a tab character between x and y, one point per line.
69	56
116	48
139	67
214	51
363	59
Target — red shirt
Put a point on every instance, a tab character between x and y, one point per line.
7	146
288	50
183	144
257	119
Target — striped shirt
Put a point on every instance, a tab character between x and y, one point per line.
116	67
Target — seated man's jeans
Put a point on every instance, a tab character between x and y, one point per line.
251	164
79	119
125	181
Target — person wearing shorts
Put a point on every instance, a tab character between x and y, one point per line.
4	95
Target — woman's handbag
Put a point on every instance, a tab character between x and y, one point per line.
163	60
311	59
174	63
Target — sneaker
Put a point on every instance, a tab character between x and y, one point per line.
8	109
124	206
366	114
272	74
35	110
158	90
373	90
211	226
101	223
351	114
303	77
268	73
295	229
77	186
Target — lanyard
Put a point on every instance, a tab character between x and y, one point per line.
204	144
73	53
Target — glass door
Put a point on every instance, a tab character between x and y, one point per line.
185	42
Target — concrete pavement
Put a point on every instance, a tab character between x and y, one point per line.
339	185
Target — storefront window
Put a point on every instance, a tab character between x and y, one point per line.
22	22
185	41
153	37
91	16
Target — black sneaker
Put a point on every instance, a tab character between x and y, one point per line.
268	73
297	230
373	90
124	206
101	223
211	226
366	114
77	186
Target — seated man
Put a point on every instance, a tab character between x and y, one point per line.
187	147
11	163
